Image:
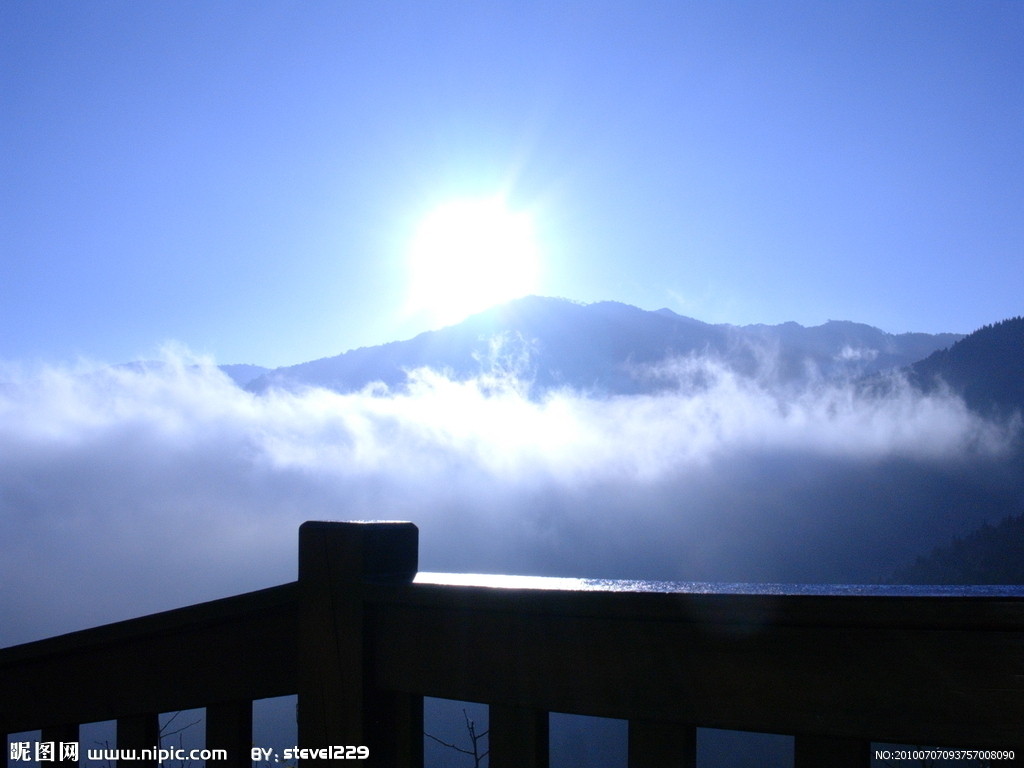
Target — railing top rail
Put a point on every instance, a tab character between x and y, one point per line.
942	669
210	613
874	604
510	581
997	609
236	648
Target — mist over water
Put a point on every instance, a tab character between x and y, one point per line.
125	490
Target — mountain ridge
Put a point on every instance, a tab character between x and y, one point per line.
600	347
986	368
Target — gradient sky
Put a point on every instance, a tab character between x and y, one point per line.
244	178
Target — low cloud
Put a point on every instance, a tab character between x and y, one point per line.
849	353
133	489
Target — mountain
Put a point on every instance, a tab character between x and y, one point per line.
797	514
986	368
240	373
993	554
609	348
794	484
243	373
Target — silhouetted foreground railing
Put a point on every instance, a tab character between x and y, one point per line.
362	643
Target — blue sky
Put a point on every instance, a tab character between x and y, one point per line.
252	179
245	178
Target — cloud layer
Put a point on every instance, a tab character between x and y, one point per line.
132	489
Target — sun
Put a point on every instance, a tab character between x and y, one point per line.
468	255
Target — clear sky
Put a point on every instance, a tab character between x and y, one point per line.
248	178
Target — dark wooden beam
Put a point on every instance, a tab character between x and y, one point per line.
138	732
337	703
59	736
518	737
824	752
658	744
362	645
229	727
882	669
241	647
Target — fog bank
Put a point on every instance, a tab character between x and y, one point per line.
125	490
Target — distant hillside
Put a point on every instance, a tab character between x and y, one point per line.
609	348
986	368
242	373
990	555
851	503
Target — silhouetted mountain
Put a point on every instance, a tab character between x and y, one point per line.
240	373
609	348
243	373
792	514
990	555
986	368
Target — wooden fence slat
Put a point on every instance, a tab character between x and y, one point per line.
518	737
138	732
228	649
394	729
229	727
61	734
826	752
662	745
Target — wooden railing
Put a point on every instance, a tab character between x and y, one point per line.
361	640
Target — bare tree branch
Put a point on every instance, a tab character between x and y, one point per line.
446	744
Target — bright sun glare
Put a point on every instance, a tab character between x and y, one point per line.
468	255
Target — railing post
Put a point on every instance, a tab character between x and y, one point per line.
828	752
229	727
662	745
138	732
517	737
61	734
338	705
